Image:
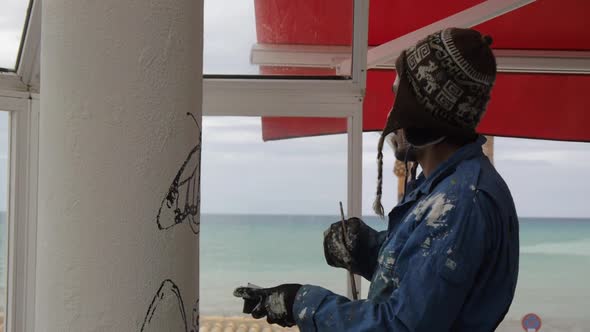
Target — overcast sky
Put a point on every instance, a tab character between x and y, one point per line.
241	174
12	18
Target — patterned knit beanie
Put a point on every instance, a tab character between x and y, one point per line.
445	85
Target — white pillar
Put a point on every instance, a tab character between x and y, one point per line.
118	78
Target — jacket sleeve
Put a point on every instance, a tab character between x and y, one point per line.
365	260
429	296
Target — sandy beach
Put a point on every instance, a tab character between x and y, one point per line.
246	324
549	325
238	324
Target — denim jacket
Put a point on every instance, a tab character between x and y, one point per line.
447	262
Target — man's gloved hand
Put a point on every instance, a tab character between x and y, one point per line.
350	251
275	303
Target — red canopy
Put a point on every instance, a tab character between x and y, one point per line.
547	106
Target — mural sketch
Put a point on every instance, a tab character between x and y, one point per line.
182	202
180	205
167	312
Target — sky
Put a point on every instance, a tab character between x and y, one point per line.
12	18
242	174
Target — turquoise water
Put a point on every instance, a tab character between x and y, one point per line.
267	250
554	271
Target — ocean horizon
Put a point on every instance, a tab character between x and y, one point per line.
527	218
267	250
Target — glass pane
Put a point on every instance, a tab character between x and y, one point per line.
389	198
265	207
4	155
12	21
548	181
277	38
549	184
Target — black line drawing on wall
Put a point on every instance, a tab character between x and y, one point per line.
183	200
167	313
196	316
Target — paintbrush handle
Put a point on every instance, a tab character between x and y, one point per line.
345	236
343	222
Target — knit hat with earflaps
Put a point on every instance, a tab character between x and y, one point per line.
445	85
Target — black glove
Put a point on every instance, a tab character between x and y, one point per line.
275	303
353	251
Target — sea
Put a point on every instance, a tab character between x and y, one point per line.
267	250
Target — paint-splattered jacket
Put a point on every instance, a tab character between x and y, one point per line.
448	261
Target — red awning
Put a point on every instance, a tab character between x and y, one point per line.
546	106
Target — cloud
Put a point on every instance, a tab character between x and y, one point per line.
10	42
230	32
307	175
12	18
540	152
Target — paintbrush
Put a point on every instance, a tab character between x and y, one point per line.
351	275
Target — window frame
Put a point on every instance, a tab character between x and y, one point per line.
227	96
307	98
22	214
222	96
19	95
22	209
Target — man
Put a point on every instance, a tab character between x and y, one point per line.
449	258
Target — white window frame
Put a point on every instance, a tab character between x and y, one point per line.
231	97
22	214
22	208
19	95
306	98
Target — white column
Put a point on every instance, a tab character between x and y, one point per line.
117	156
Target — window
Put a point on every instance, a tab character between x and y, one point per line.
547	181
389	198
264	210
4	157
12	24
303	38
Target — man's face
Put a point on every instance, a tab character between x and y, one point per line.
397	140
402	149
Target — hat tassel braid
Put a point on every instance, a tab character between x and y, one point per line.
377	205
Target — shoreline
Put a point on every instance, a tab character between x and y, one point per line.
248	324
238	324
